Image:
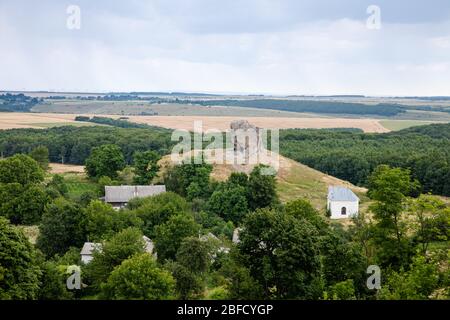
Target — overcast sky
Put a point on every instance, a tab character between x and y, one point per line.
233	46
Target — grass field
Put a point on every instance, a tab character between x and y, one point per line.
77	184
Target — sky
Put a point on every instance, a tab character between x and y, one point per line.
309	47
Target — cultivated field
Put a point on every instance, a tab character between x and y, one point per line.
39	120
12	120
223	123
58	168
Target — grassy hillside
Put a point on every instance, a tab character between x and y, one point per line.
294	180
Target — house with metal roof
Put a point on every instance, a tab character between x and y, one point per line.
119	196
342	202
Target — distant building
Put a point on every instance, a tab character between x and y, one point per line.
87	252
119	196
342	202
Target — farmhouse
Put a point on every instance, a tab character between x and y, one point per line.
342	202
119	196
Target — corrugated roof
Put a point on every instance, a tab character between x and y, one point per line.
126	193
341	194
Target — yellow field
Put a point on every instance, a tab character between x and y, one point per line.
39	120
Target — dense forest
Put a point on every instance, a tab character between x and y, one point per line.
331	107
17	102
121	123
73	145
352	156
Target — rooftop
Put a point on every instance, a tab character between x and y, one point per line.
126	193
341	194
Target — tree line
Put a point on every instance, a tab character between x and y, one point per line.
17	102
353	156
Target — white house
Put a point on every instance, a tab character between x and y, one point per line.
119	196
342	202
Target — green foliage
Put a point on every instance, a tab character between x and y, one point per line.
170	235
218	293
432	220
353	156
53	283
416	283
390	187
343	290
70	144
229	202
102	221
17	102
19	271
62	226
282	254
194	254
189	180
343	263
302	209
240	284
40	154
22	204
58	184
261	189
20	169
157	209
120	247
334	107
189	285
105	160
139	278
146	166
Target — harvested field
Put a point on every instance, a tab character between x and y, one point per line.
13	120
10	120
222	123
58	168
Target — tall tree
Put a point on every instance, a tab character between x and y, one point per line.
261	189
145	166
40	154
19	270
105	160
63	225
170	235
389	187
139	278
282	254
21	169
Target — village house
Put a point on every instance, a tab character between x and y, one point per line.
342	202
119	196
